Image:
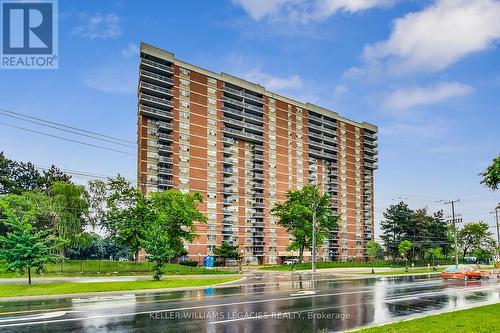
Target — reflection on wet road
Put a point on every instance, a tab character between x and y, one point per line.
261	303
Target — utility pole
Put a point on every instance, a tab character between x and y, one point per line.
497	209
454	221
313	257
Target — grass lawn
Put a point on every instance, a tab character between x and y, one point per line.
477	320
14	290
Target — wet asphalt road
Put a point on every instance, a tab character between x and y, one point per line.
261	303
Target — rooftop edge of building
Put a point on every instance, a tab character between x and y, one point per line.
169	56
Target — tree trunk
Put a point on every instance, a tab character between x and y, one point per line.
29	275
136	259
301	254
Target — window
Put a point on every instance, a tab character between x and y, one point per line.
212	101
184	93
211	111
185	104
185	82
212	80
212	122
211	90
184	71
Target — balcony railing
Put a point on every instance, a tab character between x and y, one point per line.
158	77
164	137
165	171
149	111
155	88
165	125
156	65
163	159
156	100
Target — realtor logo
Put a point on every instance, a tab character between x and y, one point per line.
29	35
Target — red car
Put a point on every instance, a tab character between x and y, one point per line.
461	272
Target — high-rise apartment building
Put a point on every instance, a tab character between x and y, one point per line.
243	148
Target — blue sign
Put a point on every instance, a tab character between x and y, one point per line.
29	35
209	262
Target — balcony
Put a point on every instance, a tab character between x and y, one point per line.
162	125
165	182
228	160
165	160
164	137
229	180
156	65
316	127
165	149
228	190
369	135
153	88
228	140
258	176
165	171
241	134
371	158
228	170
370	166
156	101
152	112
229	150
370	151
330	123
240	113
155	77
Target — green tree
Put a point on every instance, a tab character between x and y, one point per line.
126	214
157	244
404	249
177	213
374	251
227	251
50	176
491	176
18	177
24	247
474	236
434	253
296	216
396	223
69	206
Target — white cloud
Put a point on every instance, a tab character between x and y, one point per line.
341	90
437	36
305	11
99	26
410	97
130	51
273	83
110	79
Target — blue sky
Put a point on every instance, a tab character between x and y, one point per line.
426	72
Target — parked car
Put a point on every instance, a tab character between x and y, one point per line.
461	272
289	262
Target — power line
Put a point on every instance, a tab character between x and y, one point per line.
67	139
68	131
65	126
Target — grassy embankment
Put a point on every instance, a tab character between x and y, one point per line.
481	319
16	290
